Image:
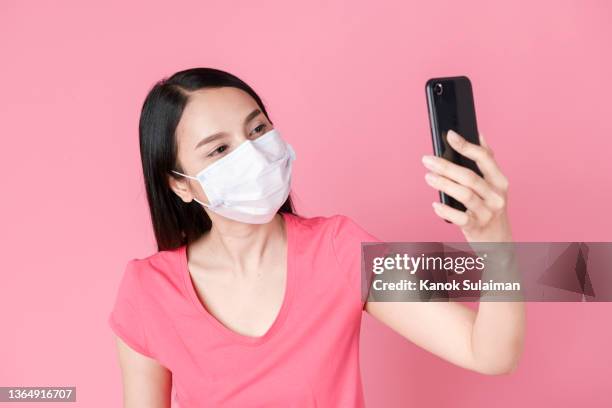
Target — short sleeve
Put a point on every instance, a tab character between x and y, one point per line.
346	241
125	318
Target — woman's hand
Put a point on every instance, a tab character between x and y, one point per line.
486	217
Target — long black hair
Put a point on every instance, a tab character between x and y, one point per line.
175	222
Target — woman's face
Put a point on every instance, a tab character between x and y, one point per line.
214	122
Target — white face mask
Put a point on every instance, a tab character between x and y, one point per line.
250	183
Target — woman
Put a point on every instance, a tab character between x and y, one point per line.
247	303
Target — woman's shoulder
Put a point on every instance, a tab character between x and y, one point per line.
318	223
158	268
145	280
159	259
336	227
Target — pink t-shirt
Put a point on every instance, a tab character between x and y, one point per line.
308	358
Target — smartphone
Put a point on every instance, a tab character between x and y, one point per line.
450	103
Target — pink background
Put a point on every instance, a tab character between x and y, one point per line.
344	82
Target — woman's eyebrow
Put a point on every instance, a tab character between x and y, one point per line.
217	135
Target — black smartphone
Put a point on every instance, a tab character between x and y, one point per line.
450	103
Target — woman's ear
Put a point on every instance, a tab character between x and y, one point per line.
181	188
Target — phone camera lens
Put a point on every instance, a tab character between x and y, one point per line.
438	88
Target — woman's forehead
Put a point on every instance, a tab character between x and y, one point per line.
214	110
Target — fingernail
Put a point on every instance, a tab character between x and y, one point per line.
453	136
430	177
428	160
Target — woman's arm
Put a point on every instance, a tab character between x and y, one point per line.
489	341
146	383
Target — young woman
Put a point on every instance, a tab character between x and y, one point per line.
248	304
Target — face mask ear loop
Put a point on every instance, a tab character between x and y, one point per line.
184	175
201	203
194	178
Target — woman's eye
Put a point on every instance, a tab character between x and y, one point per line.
262	126
258	129
217	150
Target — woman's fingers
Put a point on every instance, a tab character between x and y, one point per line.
463	219
465	177
463	194
483	143
482	155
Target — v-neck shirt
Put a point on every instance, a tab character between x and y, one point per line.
308	357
